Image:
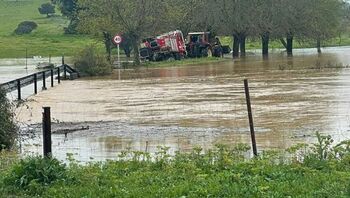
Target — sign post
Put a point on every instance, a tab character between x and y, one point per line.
117	39
118	56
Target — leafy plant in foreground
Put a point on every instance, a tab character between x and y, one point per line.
34	173
219	172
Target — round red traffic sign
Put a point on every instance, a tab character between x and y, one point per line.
117	39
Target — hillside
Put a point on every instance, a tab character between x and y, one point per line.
47	39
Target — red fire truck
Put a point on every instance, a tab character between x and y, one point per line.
170	45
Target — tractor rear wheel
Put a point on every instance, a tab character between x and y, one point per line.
217	51
205	52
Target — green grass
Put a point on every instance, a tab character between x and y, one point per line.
47	39
186	176
344	40
219	172
185	62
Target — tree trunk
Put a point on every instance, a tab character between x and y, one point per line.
284	43
242	39
136	53
265	38
127	52
235	47
319	45
108	45
289	45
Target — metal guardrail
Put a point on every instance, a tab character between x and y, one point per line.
17	84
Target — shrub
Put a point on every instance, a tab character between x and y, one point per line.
90	62
25	27
8	128
36	170
47	8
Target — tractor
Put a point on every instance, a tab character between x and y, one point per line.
203	44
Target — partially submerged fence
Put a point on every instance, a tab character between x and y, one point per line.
19	83
46	126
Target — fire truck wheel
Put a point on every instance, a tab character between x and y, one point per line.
153	58
177	56
171	58
158	57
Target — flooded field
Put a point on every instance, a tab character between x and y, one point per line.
202	105
11	69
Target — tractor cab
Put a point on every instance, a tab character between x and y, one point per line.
203	44
199	37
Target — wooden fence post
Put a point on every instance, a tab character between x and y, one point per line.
44	81
35	84
47	149
62	59
65	72
51	77
250	116
58	75
19	97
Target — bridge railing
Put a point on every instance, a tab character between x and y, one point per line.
17	84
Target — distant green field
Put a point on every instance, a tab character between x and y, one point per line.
47	39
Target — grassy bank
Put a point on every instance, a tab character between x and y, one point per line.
185	62
47	39
220	172
344	40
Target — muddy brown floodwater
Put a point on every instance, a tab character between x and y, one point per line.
182	107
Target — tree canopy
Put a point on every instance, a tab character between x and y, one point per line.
284	20
137	19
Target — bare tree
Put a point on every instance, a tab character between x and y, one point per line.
324	20
137	18
236	19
